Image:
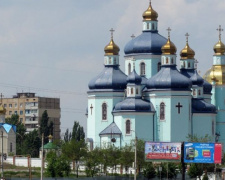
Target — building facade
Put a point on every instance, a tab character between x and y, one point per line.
153	99
30	109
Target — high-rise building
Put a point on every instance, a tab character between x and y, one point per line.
30	109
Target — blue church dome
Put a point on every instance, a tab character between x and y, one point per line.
207	87
196	79
134	78
169	78
110	78
200	106
132	104
147	42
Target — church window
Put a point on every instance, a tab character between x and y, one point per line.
142	68
172	61
128	127
184	64
147	25
114	60
129	68
189	64
159	66
132	91
104	111
199	92
11	147
167	60
194	93
137	91
162	111
110	60
153	26
213	127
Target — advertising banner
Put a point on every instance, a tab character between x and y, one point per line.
202	152
162	151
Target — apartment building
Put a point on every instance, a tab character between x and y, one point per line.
30	109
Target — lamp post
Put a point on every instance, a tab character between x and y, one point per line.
135	157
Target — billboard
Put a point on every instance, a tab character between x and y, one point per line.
162	151
202	152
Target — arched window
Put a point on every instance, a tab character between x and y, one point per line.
171	60
11	147
199	92
194	92
159	66
114	60
129	68
184	64
147	25
137	91
132	91
153	26
142	70
189	64
128	127
167	60
104	111
162	111
110	60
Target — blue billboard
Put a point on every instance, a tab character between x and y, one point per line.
199	152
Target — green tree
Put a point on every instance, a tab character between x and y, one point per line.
127	157
195	138
195	170
32	144
46	127
149	171
92	161
168	168
67	136
114	156
78	132
57	166
20	132
140	154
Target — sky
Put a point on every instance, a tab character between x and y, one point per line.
55	47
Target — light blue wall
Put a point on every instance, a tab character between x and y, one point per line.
203	125
95	124
141	123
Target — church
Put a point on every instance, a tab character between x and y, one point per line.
153	99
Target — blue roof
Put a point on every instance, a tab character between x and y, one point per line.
134	105
196	79
111	129
148	42
207	87
144	80
134	78
110	78
8	127
200	106
169	78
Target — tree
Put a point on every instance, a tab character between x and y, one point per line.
172	173
46	127
140	154
32	144
195	170
195	138
92	161
149	171
20	132
114	156
67	136
127	157
78	132
57	166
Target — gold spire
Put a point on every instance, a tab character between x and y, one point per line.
187	52
219	47
169	47
111	48
150	14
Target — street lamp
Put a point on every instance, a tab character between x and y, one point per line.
135	156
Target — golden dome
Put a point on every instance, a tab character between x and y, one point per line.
219	48
216	74
187	52
50	137
111	49
150	14
2	109
169	48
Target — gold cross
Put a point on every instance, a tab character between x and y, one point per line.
169	32
111	30
220	30
187	35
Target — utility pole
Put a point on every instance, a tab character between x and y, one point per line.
2	156
42	154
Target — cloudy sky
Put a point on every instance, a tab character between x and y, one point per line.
54	47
